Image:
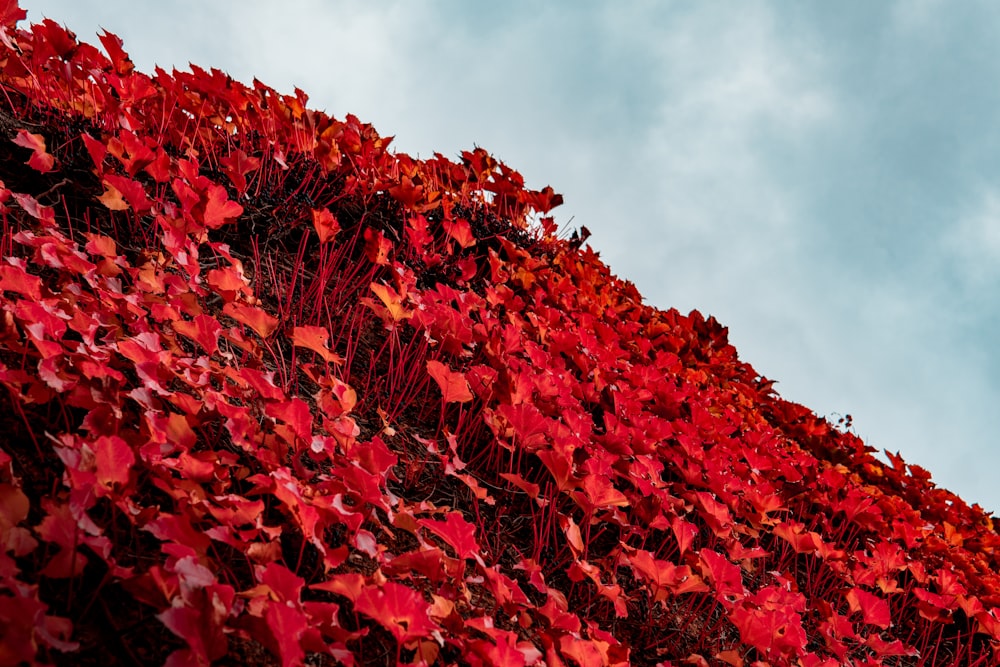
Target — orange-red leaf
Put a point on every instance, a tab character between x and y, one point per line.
218	208
460	231
114	459
14	278
398	608
315	339
874	610
325	224
255	318
296	414
237	165
40	159
457	532
203	330
454	388
393	301
112	198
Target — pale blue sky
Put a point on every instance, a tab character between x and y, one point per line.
823	178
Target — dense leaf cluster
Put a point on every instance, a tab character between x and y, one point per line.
272	394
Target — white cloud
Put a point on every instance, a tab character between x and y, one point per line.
974	240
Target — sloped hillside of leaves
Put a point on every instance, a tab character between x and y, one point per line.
275	395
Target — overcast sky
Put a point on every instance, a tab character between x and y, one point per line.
823	178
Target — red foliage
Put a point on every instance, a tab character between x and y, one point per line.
274	394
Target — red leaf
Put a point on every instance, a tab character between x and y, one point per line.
406	193
505	590
583	651
237	165
40	159
397	608
14	506
393	302
98	151
112	198
133	192
684	531
200	624
453	386
203	330
255	318
601	493
573	535
177	528
227	281
287	625
315	339
773	631
325	224
349	585
543	200
262	383
529	424
11	13
101	246
662	576
114	460
218	208
715	513
726	576
296	414
460	231
456	532
285	583
113	45
377	246
14	278
802	541
289	491
530	488
44	214
874	610
131	151
185	622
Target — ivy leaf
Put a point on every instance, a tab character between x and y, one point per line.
257	319
296	414
44	214
203	330
458	533
13	278
393	301
218	208
287	625
262	383
112	198
40	159
726	577
454	388
114	460
397	608
874	610
237	165
325	224
460	231
315	339
113	45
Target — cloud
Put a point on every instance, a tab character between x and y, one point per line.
974	240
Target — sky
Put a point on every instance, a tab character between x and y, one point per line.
823	178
